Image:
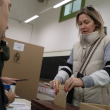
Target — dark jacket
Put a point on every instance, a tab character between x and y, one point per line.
4	56
2	97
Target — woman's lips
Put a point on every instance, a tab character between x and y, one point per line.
84	32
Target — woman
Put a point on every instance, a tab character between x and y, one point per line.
94	87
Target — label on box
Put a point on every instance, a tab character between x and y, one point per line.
18	46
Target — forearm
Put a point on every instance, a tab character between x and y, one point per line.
98	78
2	78
62	76
66	71
88	81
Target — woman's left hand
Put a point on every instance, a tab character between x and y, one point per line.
73	82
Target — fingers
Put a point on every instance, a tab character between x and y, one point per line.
51	85
13	82
15	79
67	84
55	85
70	87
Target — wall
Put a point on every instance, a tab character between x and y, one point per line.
56	36
51	34
19	31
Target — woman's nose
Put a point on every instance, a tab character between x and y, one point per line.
82	27
7	27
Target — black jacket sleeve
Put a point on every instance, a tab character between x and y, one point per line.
6	100
2	97
5	53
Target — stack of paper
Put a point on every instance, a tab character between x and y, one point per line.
20	106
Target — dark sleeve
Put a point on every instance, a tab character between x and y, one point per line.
2	97
6	53
6	100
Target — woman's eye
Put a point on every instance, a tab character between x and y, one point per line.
79	24
87	22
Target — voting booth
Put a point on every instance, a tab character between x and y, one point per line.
24	63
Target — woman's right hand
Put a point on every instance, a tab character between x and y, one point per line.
54	84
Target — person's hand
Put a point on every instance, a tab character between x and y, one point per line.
1	50
11	97
54	84
9	81
73	82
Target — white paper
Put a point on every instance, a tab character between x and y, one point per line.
18	103
18	46
23	108
14	108
19	106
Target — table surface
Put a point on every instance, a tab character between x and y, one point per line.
28	103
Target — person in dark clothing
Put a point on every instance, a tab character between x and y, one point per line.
4	16
4	53
2	97
4	56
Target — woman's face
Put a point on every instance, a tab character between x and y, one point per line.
86	24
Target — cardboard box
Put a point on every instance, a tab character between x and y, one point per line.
90	106
24	63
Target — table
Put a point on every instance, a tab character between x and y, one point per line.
28	103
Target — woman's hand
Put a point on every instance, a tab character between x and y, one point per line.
8	81
73	82
54	84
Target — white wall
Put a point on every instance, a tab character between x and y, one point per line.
55	36
19	31
51	34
